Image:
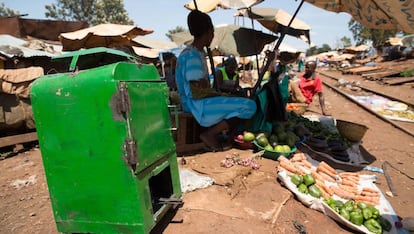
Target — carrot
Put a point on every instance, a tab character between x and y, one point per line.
324	170
328	167
349	183
369	194
304	164
342	193
372	190
298	157
324	193
366	199
317	176
347	174
280	159
289	167
351	180
323	186
326	176
351	189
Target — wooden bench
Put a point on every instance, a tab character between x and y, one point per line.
187	134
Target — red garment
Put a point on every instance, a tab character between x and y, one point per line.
310	87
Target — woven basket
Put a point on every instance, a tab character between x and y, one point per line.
351	131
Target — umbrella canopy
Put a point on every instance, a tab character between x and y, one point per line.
211	5
102	35
277	20
376	14
233	39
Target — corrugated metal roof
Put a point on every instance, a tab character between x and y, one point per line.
10	41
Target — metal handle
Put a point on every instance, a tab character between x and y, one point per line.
175	111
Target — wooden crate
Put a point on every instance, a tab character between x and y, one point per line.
187	134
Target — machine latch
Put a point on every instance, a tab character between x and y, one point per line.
131	153
124	100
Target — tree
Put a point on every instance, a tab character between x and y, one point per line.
92	11
342	43
176	30
324	48
363	35
5	11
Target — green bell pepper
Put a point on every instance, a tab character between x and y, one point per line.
361	205
308	179
329	201
303	188
356	217
338	203
296	179
373	226
385	223
314	191
349	205
367	213
344	213
375	212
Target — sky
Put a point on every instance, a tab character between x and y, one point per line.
164	15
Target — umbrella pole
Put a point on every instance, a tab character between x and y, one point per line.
256	55
269	61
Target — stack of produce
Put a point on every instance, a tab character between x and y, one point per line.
345	193
344	185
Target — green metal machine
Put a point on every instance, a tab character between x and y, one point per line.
107	148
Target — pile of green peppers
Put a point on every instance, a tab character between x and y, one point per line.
360	214
306	184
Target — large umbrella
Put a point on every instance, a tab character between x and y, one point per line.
102	35
376	14
211	5
233	39
277	21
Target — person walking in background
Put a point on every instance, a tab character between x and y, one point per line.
310	84
210	109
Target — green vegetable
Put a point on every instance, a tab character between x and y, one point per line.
349	205
329	201
338	203
296	179
308	179
385	223
344	213
375	212
303	188
367	213
356	217
373	226
314	191
361	205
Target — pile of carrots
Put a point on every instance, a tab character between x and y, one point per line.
330	181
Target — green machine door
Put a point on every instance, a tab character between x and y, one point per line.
107	149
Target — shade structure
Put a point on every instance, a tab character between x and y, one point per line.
277	20
233	40
211	5
376	14
102	35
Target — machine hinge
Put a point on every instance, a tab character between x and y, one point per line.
131	153
124	100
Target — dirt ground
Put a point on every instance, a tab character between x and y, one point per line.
242	200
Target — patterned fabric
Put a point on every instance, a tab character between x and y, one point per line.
310	87
207	111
